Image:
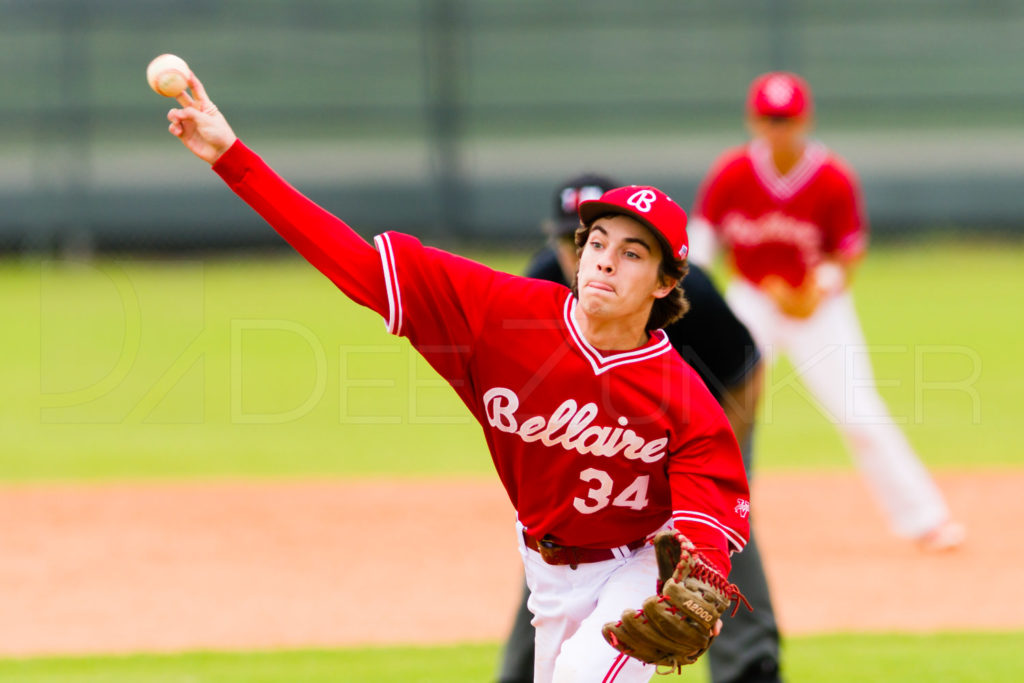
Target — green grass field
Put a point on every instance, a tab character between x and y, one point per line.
127	369
841	658
130	369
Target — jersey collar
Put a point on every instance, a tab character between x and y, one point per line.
601	362
785	186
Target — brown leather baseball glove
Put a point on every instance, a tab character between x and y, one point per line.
675	626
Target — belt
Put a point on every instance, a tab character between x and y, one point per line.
553	553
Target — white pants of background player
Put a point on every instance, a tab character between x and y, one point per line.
570	606
828	352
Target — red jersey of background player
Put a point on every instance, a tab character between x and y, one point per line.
783	225
595	449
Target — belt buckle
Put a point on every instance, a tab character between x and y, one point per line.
552	553
549	551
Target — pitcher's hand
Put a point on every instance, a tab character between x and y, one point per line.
199	124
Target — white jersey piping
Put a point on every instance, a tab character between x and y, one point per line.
731	535
785	186
387	258
601	363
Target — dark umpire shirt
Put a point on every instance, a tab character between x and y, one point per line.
709	337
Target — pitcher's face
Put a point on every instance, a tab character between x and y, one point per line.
618	271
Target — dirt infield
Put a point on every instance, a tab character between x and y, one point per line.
120	568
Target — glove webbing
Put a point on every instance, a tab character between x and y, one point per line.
702	571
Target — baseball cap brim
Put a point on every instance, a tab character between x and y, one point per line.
592	210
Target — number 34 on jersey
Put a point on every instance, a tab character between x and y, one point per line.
571	427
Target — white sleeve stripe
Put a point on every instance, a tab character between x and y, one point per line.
679	518
387	257
706	516
734	539
382	251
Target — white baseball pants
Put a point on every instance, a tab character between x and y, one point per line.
570	606
829	353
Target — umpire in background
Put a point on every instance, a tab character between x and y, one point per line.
721	350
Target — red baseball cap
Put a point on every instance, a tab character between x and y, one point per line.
650	206
779	93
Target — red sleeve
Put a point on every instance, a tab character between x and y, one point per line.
324	240
710	494
440	302
847	227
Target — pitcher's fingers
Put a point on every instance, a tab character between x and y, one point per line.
200	91
184	99
179	115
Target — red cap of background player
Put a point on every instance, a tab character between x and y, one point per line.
779	93
650	206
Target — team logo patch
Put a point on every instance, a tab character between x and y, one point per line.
742	507
642	200
779	91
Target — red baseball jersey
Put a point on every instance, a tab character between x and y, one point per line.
594	449
783	225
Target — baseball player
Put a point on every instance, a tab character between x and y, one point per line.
789	214
601	435
721	350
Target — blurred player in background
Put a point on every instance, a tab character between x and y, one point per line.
721	350
789	215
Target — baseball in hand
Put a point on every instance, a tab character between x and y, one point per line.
168	75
